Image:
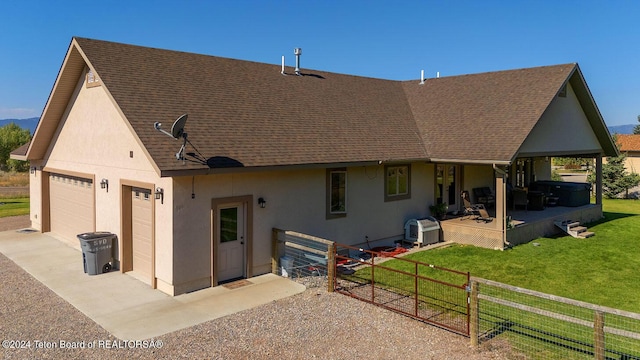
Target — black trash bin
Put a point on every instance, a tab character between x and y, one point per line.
97	251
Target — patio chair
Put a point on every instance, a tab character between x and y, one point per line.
484	196
519	197
478	211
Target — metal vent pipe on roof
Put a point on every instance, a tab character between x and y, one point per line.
297	52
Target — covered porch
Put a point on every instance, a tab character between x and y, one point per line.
522	227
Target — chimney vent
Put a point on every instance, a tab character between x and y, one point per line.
297	52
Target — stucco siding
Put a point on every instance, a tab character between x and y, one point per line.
35	197
477	176
542	168
563	128
295	201
632	162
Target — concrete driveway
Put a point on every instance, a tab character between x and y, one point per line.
125	306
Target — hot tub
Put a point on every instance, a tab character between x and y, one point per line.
568	193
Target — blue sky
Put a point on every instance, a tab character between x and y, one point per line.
382	39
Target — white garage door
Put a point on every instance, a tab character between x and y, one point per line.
142	232
71	206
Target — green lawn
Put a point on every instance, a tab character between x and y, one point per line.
602	269
14	206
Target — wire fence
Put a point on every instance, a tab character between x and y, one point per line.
542	326
300	257
423	291
524	323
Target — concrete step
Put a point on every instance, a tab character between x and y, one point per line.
572	224
578	229
586	234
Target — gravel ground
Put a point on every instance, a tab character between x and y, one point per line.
312	325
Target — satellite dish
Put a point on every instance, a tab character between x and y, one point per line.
177	129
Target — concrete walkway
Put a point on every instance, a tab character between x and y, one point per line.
124	306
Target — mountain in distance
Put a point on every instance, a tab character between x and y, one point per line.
621	129
29	123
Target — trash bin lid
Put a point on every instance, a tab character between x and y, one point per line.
94	235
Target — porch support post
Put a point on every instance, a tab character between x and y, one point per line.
599	179
501	203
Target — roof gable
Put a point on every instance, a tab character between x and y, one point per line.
563	129
483	117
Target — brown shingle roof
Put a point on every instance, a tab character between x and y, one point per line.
252	114
629	143
483	117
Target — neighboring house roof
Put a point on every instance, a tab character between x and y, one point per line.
629	143
20	153
250	114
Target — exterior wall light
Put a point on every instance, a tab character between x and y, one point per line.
104	184
32	170
262	202
160	194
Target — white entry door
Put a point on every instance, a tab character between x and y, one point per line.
231	242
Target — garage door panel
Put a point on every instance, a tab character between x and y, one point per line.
141	231
71	204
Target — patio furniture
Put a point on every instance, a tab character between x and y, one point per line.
552	201
484	196
477	210
519	197
536	200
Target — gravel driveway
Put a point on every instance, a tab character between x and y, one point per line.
312	325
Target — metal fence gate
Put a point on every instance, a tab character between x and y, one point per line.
423	291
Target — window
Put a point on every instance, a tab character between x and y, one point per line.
397	184
336	193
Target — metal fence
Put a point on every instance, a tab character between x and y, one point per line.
542	326
301	257
427	292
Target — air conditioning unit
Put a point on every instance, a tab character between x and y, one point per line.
422	231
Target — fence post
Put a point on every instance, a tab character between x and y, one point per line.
415	290
274	251
474	314
331	267
598	332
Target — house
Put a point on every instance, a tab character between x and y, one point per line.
630	145
336	156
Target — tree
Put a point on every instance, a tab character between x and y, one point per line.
636	129
12	137
615	178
